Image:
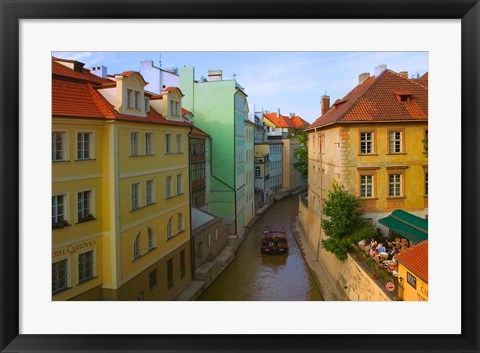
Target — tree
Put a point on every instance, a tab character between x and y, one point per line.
301	155
344	225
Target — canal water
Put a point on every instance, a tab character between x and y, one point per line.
253	276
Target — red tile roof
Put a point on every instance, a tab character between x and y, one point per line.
185	111
129	73
415	259
197	131
171	89
75	94
423	80
285	121
375	100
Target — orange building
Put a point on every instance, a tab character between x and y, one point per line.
413	272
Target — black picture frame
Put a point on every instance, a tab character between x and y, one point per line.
13	11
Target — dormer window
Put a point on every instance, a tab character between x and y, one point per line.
129	98
404	96
146	105
137	100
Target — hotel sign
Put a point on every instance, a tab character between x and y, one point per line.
412	280
73	248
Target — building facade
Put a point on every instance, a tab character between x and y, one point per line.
220	108
249	171
120	204
370	141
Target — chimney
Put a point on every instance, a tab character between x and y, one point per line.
291	115
363	77
325	104
379	69
278	111
100	71
404	74
214	75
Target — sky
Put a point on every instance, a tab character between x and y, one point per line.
290	81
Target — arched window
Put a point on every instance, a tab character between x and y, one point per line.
136	247
180	222
169	228
151	239
257	171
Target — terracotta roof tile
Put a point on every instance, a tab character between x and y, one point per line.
415	259
84	75
285	121
197	131
375	100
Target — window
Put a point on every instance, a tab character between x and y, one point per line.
59	276
168	186
150	239
134	143
152	279
180	222
84	201
177	111
179	184
149	189
137	100
136	247
58	209
257	172
395	185
85	266
169	228
129	98
170	273
198	171
135	187
58	146
148	143
411	280
366	185
168	143
172	107
366	142
83	145
179	143
395	142
182	264
146	105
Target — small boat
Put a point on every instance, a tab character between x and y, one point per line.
274	240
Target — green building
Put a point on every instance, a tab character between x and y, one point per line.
220	108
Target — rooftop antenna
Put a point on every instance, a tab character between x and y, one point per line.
160	60
234	75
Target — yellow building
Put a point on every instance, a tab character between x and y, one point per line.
371	142
413	272
120	201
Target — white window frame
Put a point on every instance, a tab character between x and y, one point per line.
169	228
55	205
168	143
366	142
146	105
90	148
172	107
149	191
150	239
63	148
136	96
67	273
168	186
135	193
394	141
90	206
129	98
136	246
179	143
179	184
366	184
93	265
149	143
134	139
180	224
395	185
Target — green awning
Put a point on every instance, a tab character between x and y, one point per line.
407	225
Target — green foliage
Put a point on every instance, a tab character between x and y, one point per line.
425	146
301	155
344	225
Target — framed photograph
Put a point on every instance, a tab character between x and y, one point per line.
33	32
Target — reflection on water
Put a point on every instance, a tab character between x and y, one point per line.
253	276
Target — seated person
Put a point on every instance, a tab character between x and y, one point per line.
381	248
372	252
361	243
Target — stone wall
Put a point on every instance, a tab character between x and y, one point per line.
358	285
